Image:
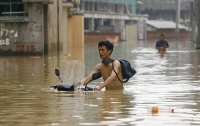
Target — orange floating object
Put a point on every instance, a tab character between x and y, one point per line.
154	109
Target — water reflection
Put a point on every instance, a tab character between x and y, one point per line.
168	81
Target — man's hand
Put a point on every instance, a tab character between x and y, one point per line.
97	89
162	47
165	47
76	83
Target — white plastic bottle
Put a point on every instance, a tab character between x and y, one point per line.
157	109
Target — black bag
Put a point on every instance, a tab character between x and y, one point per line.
127	70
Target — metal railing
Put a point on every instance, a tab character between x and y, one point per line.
68	1
8	3
14	17
21	14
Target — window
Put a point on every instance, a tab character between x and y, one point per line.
11	6
4	1
16	0
17	7
4	8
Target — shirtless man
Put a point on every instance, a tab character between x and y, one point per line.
111	82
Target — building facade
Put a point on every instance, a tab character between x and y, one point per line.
109	16
34	27
23	25
165	9
37	27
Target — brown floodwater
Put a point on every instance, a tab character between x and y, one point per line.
168	81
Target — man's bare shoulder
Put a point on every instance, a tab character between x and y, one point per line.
99	65
116	62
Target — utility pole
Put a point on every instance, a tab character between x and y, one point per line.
197	6
58	25
139	3
177	19
192	28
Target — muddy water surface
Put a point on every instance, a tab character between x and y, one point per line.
169	80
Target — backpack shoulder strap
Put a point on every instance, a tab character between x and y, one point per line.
117	74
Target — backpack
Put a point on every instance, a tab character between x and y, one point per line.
127	70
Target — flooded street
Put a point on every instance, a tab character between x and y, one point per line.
168	80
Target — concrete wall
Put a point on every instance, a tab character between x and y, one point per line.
64	33
76	37
52	21
132	33
24	38
39	35
35	25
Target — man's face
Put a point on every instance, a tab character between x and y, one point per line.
104	53
161	38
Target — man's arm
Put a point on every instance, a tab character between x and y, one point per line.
87	79
111	78
167	45
160	48
157	46
164	47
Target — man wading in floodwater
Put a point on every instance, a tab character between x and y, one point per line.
161	45
111	82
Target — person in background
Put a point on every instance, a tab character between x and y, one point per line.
161	45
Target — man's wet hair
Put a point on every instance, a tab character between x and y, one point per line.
107	44
162	35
